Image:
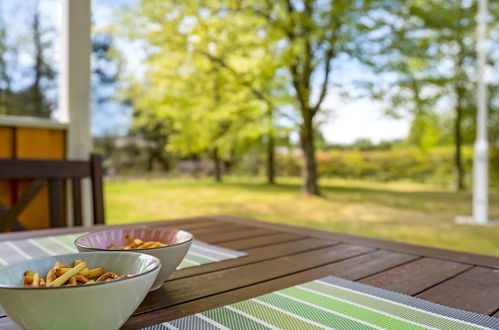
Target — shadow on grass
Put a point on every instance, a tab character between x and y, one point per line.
411	200
445	202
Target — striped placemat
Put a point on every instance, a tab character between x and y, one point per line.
333	303
20	250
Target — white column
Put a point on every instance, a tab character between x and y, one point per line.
480	154
74	86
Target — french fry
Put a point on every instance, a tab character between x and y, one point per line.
36	280
66	276
72	281
30	274
28	278
61	274
59	264
95	272
85	272
51	276
129	239
62	270
81	279
149	245
136	244
106	277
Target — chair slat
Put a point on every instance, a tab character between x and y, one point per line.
55	203
15	225
97	189
10	218
43	169
77	201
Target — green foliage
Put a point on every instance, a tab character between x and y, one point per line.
425	65
33	98
227	73
223	76
428	131
399	163
191	85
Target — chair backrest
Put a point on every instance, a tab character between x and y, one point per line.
53	172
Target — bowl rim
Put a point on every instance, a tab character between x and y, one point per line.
78	244
156	266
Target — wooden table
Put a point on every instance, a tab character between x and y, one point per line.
281	256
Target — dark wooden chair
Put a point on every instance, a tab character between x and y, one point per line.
54	173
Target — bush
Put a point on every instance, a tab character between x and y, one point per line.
400	163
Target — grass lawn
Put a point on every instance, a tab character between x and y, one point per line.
406	212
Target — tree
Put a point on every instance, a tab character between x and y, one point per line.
310	36
425	52
44	75
303	38
147	125
213	107
106	67
32	97
5	92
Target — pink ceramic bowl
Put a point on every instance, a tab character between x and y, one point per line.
177	244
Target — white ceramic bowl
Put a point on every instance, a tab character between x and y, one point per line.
104	305
177	244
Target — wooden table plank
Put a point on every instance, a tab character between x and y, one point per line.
379	261
222	237
183	290
476	290
222	228
257	255
457	256
368	264
416	276
190	225
244	244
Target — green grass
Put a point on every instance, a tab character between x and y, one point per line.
406	212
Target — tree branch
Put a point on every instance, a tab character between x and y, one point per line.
330	53
243	82
325	84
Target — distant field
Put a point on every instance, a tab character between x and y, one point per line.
406	212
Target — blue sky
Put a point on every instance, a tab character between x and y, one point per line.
351	120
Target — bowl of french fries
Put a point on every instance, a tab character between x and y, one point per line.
95	290
167	244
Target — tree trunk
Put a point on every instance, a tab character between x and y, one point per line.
37	94
217	170
309	168
458	162
270	160
270	149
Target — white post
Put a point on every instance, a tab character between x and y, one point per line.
74	86
480	154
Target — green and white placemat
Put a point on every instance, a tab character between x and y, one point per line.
333	303
20	250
